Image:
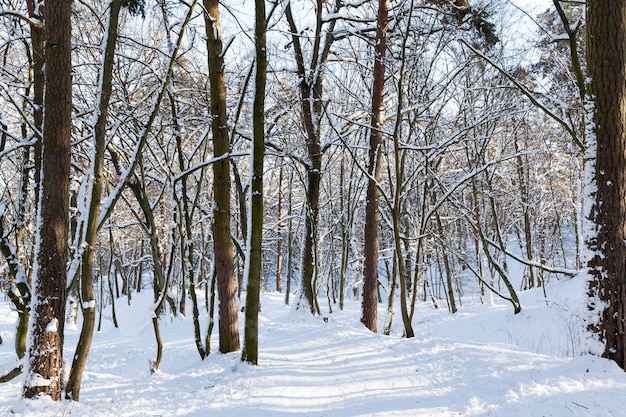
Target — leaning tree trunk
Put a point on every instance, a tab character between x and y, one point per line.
45	363
91	234
606	62
369	308
223	245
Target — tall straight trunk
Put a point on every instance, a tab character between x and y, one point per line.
37	36
279	245
289	238
397	205
251	342
94	204
369	305
606	62
45	363
522	176
223	245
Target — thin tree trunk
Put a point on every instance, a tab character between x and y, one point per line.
448	269
250	351
94	203
279	245
21	293
523	189
37	36
289	239
311	106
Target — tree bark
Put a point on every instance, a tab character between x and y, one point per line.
223	245
255	261
369	305
606	62
48	309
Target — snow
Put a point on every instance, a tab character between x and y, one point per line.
37	380
53	326
481	361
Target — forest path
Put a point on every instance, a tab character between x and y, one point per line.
336	369
309	367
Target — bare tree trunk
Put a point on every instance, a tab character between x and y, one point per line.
48	309
37	35
448	269
311	106
289	239
369	306
94	203
279	245
223	245
606	61
21	293
250	351
523	189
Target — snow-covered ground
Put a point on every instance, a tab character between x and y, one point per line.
482	361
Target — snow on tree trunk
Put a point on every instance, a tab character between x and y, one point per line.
606	60
45	362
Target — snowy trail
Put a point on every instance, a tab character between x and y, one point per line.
335	369
317	373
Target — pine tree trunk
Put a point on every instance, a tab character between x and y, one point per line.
369	306
606	61
223	245
48	309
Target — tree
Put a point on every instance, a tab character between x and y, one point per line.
13	241
91	222
370	271
255	260
222	241
45	363
606	60
311	86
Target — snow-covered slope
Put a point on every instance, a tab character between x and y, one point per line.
482	361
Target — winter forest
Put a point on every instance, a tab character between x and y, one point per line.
314	207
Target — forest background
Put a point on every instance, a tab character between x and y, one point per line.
474	156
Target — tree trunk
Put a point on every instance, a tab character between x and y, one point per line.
223	245
289	239
311	106
37	36
279	244
48	308
86	275
255	260
369	306
606	61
